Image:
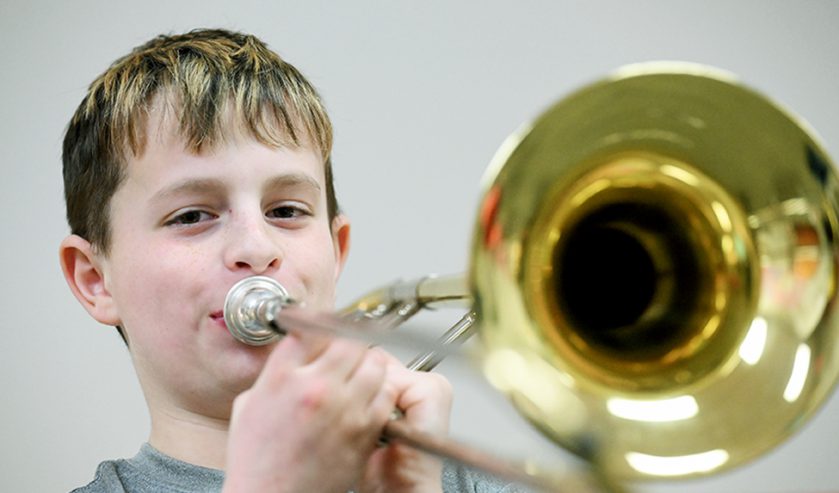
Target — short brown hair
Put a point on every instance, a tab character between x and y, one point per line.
205	75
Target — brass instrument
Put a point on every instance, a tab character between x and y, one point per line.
653	273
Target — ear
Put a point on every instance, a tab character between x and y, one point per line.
84	273
341	242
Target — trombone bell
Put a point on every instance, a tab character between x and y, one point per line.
654	267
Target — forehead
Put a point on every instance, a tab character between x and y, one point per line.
167	155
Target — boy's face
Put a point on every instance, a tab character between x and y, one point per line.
185	228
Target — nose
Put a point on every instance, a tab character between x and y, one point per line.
250	246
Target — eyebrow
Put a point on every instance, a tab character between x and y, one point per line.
189	186
292	180
214	185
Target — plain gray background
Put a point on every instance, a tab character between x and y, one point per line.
422	94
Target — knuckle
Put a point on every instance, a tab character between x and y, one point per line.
315	394
441	382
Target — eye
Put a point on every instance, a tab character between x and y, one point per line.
190	217
287	212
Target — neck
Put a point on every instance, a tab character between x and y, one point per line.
190	437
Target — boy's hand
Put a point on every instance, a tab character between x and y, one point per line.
425	400
311	420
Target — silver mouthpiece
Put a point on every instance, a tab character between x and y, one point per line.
250	309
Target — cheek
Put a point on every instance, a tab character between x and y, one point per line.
154	286
314	264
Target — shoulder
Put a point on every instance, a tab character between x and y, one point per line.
151	471
106	480
458	478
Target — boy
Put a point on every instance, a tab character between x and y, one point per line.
193	162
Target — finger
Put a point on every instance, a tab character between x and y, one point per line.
341	357
287	355
367	380
389	358
424	398
313	343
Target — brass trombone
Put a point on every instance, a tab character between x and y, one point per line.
657	255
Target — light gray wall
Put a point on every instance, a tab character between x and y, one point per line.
422	94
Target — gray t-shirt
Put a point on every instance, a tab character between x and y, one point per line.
151	471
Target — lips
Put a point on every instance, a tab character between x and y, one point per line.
218	317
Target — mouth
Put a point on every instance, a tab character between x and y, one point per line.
218	318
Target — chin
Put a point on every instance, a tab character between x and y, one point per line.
243	367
